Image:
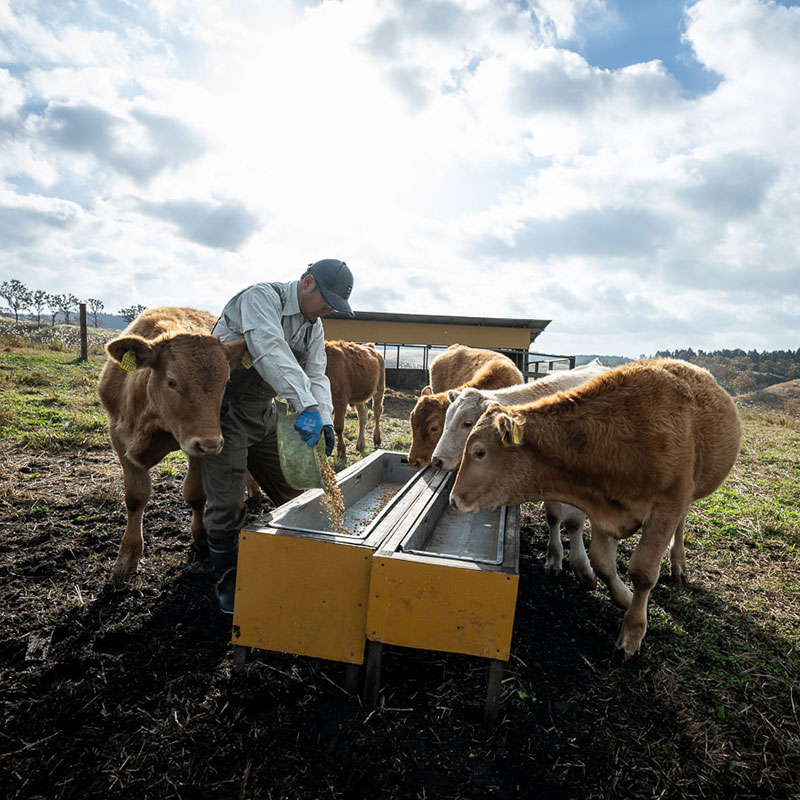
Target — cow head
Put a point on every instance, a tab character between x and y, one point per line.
427	423
491	473
465	409
181	379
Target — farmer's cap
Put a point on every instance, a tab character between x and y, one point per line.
334	281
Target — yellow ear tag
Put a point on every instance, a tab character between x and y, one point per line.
128	362
247	360
507	440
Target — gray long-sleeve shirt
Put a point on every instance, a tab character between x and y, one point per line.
272	330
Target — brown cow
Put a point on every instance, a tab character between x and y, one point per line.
458	367
632	448
357	373
162	387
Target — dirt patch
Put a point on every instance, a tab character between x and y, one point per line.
133	693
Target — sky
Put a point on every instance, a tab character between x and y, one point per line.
629	169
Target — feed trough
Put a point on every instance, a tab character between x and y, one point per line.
446	581
301	586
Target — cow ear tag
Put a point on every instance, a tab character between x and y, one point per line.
128	362
247	359
507	440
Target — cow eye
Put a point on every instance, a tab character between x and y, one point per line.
434	428
479	453
172	383
466	424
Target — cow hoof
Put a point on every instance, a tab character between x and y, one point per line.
680	578
119	578
588	582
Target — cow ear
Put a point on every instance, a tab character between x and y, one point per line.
507	429
237	354
131	352
426	390
453	395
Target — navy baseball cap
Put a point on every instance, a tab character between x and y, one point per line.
335	282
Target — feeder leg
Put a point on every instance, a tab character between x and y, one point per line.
351	678
493	690
372	676
241	654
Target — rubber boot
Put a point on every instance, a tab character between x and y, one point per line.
223	563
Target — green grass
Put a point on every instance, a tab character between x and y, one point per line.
760	501
49	400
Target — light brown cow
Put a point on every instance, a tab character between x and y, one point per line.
632	448
357	373
458	367
162	387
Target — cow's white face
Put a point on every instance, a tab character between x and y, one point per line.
464	411
489	475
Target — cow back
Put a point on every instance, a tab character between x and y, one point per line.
459	365
356	371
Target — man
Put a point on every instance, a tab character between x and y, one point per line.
281	324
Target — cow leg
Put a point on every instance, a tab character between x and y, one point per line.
644	568
603	557
677	556
377	410
339	411
361	444
574	521
195	497
138	488
555	550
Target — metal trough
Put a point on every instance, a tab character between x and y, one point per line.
301	586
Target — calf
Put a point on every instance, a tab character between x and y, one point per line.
465	409
162	387
357	373
457	367
632	448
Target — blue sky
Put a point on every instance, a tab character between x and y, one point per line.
626	169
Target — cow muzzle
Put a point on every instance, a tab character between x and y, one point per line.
461	506
199	446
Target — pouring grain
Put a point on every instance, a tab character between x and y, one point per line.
334	502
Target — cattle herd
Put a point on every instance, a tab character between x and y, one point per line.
630	448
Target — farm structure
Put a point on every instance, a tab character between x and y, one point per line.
405	571
409	342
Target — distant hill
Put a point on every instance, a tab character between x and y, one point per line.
781	397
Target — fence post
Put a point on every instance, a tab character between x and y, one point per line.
84	334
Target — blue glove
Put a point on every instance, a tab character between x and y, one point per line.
330	439
309	423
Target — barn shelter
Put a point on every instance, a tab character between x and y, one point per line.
409	342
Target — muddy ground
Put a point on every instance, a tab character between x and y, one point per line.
133	693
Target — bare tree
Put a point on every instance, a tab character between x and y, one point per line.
39	301
16	294
66	304
95	306
52	304
130	314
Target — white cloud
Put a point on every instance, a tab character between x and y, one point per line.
454	153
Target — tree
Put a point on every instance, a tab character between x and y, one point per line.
39	300
66	304
95	306
52	304
130	314
16	295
